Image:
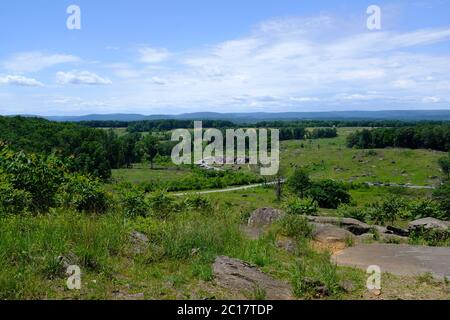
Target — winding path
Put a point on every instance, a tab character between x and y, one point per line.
257	185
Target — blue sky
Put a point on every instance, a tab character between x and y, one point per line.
178	56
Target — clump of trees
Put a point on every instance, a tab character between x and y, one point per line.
444	163
35	183
326	193
429	136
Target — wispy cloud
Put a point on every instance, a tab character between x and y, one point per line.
153	55
20	81
36	61
81	77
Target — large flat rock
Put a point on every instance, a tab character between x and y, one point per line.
404	260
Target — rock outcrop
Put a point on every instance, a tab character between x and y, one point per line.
243	278
264	217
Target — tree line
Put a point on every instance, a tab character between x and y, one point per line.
430	136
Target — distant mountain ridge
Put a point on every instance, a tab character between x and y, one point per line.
406	115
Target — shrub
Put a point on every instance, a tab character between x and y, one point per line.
296	227
133	202
329	194
425	208
39	176
387	211
299	182
442	196
348	211
83	194
301	206
12	201
196	202
161	204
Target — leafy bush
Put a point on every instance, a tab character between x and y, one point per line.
388	210
39	176
83	194
329	194
12	201
299	182
430	237
301	206
296	227
442	197
133	202
196	202
425	208
161	204
348	211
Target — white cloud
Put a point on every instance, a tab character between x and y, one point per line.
153	55
20	81
81	77
290	64
431	99
36	61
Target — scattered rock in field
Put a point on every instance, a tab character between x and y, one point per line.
287	244
128	296
68	259
139	242
354	226
320	290
347	286
398	231
264	217
251	233
429	224
241	277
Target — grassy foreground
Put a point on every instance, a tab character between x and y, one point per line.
177	263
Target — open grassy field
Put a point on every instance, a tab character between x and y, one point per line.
141	173
331	159
326	159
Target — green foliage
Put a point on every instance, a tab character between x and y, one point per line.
349	211
299	182
39	176
12	201
425	208
430	237
161	204
388	210
315	276
299	206
329	194
442	196
149	146
133	201
420	136
204	179
197	202
444	163
83	194
296	226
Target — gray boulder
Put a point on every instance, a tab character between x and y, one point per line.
264	217
330	234
139	242
352	225
429	224
243	278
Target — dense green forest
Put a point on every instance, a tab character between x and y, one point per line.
422	136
